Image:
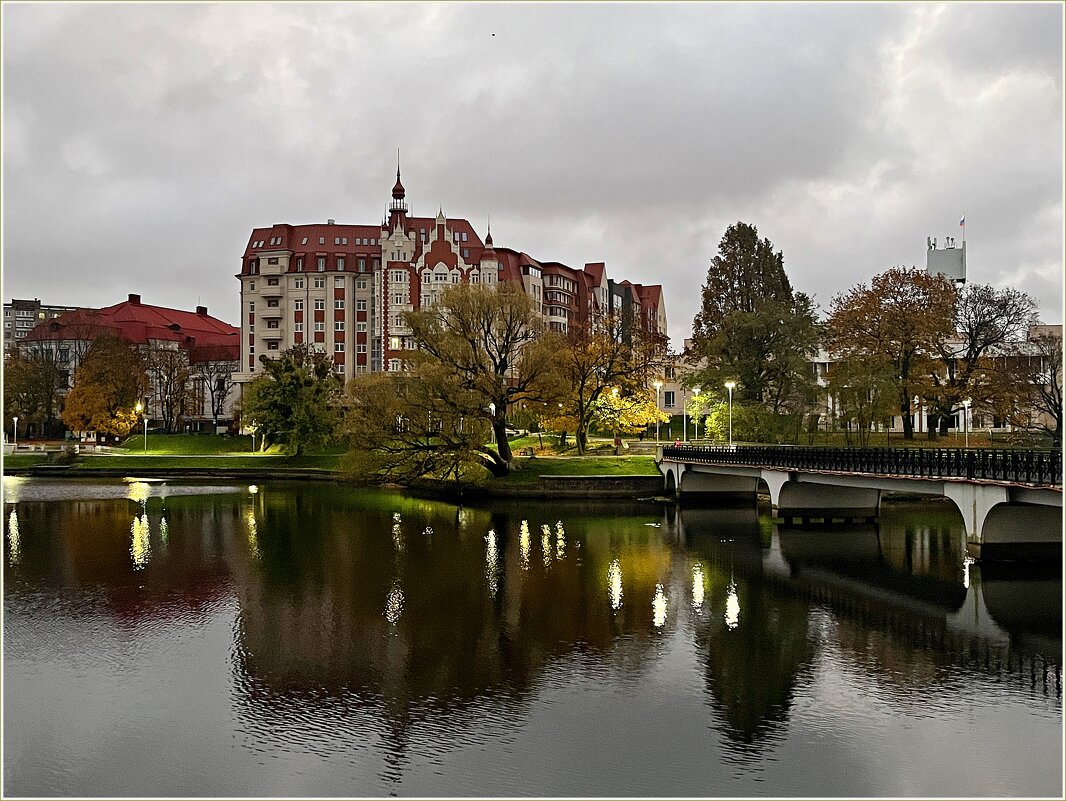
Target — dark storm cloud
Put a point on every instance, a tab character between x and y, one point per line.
142	143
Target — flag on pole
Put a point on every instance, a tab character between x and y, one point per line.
962	221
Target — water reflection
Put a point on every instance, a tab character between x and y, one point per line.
614	584
350	645
13	538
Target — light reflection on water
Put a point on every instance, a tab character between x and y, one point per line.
313	651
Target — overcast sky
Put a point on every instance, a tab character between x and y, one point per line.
142	143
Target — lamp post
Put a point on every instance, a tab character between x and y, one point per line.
965	424
492	412
658	385
684	415
696	392
15	431
138	409
730	386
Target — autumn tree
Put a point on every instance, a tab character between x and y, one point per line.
903	320
34	377
752	328
1040	371
865	393
626	412
108	385
296	401
490	341
406	426
591	361
986	320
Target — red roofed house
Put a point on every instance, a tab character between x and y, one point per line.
209	346
344	287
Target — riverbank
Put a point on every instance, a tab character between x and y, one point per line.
603	477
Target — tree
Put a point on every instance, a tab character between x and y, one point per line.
1042	372
864	391
986	320
593	360
297	400
490	341
409	425
752	328
171	382
902	320
33	381
108	385
217	377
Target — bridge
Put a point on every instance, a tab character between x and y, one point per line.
1010	501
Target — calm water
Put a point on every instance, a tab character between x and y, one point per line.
167	639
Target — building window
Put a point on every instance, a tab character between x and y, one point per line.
300	262
361	284
338	347
320	304
338	304
340	263
272	303
398	276
272	345
298	283
320	326
320	283
251	306
668	399
321	264
272	323
360	305
303	241
399	298
360	348
322	240
360	327
338	281
466	251
271	282
272	261
298	327
338	325
394	365
251	286
298	305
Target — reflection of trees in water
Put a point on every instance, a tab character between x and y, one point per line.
481	618
124	554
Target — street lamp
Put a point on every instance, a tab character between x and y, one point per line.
15	428
658	385
139	409
492	413
684	415
965	425
696	392
730	385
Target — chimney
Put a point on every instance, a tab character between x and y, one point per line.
135	299
201	310
331	221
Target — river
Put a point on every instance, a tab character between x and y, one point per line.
166	638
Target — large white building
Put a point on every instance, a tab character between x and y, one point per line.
344	287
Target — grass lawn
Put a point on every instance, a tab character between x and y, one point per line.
205	445
217	462
24	459
580	466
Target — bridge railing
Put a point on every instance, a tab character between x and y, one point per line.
1020	466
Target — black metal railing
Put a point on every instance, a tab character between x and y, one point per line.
1017	466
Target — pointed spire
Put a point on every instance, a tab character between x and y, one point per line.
488	237
398	191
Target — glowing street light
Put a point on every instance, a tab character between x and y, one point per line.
730	385
658	385
965	424
140	407
684	415
15	428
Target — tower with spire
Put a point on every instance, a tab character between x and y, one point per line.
398	206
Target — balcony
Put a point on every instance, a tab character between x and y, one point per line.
272	333
270	312
272	291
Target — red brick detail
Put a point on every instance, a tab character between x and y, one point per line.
320	336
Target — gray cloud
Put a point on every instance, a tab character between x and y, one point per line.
143	142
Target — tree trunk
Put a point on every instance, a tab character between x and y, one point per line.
908	421
503	447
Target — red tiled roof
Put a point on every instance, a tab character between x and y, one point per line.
138	323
